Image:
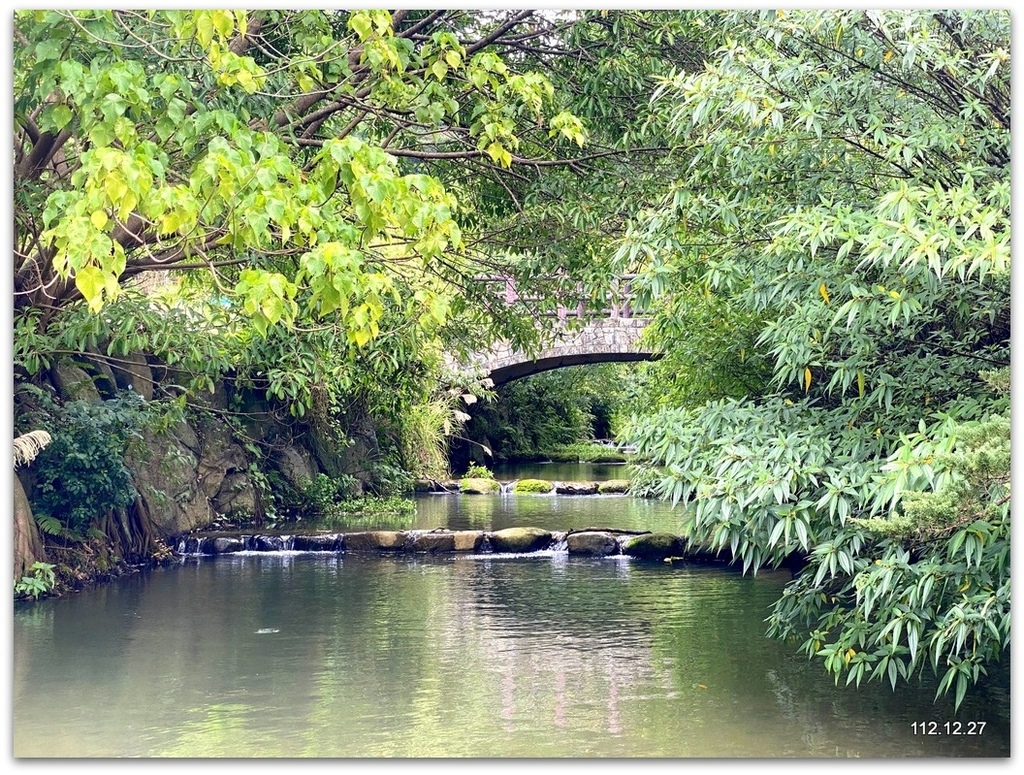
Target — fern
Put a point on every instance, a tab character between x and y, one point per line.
50	525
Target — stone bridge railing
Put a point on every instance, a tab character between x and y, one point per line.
619	301
609	333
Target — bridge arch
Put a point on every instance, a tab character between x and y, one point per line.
601	340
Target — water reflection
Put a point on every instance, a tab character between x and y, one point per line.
540	656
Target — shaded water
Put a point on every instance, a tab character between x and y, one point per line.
551	512
323	655
564	472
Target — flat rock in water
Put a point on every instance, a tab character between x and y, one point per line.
593	543
520	539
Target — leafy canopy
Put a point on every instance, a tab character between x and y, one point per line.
842	212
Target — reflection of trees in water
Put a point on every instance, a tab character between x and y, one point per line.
806	716
556	513
845	721
535	619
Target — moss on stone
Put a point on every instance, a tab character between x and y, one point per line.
533	485
654	546
613	485
479	486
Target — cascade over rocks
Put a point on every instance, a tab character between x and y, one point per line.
591	542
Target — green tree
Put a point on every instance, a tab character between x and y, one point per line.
275	151
843	205
308	199
331	171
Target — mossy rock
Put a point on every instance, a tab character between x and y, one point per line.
654	546
533	485
479	486
607	456
520	539
613	486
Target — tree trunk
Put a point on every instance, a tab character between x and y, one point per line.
28	545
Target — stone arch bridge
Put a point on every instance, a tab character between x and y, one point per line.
610	335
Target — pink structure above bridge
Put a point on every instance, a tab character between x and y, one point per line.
611	335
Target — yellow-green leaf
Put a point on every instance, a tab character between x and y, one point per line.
204	29
223	22
823	290
90	283
807	379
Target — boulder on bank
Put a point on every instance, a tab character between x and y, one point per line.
533	486
132	372
613	486
474	486
520	539
654	546
74	383
592	542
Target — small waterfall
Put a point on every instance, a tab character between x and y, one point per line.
270	543
507	487
559	543
189	546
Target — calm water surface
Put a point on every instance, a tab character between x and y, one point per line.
320	655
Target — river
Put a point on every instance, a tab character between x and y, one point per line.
290	655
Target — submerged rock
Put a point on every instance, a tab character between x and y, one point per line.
327	542
468	540
224	545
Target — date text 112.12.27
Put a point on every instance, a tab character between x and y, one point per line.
948	727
